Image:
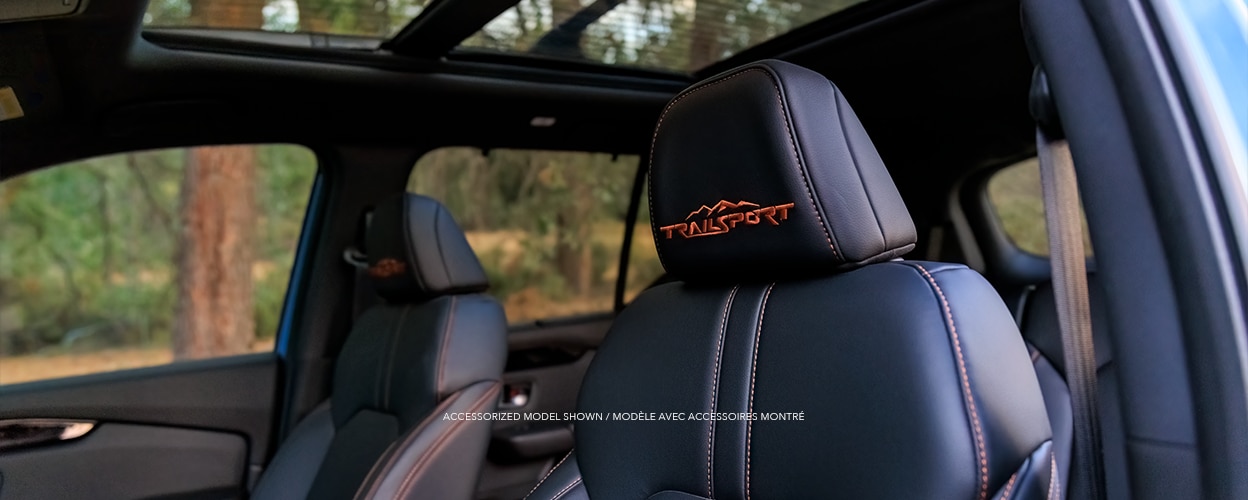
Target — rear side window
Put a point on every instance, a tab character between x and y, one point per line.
1018	202
146	258
548	226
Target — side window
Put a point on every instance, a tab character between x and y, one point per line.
147	258
1016	197
548	226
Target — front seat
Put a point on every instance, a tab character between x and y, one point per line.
795	355
435	348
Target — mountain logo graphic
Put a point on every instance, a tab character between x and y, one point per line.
724	216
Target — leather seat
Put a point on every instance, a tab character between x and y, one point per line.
1035	309
437	346
795	355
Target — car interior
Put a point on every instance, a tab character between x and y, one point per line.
555	249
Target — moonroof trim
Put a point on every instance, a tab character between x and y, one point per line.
443	25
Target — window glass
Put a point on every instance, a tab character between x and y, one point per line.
547	225
682	36
1016	197
378	19
146	258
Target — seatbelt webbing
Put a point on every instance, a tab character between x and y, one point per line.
1070	289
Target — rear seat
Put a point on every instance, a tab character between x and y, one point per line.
1036	312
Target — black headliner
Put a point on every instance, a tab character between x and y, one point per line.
940	85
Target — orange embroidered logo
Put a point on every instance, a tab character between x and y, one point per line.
713	221
386	268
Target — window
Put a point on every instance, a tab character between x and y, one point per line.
369	18
1016	197
547	226
142	259
675	36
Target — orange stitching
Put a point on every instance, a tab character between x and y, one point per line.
387	267
719	353
1005	495
548	473
749	424
437	444
411	436
446	340
1053	477
566	489
966	387
655	139
792	142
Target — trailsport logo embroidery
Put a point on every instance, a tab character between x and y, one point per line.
713	221
386	268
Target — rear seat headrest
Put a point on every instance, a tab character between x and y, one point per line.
765	172
416	251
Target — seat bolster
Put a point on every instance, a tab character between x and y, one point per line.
293	469
1035	479
1005	400
562	482
441	457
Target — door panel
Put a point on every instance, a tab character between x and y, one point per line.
128	461
188	428
546	364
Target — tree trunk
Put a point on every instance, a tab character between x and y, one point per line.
218	212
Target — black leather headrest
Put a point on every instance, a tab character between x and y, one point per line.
416	251
765	172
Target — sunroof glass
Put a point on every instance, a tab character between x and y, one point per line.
680	35
373	18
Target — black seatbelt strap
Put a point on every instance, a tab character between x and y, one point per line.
1070	290
362	294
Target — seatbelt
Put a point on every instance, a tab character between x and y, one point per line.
362	294
1070	290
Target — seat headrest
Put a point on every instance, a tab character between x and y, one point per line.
416	251
764	172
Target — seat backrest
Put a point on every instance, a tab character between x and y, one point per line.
796	356
436	347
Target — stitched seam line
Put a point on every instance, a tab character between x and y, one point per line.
411	436
432	451
719	353
801	169
749	424
853	158
549	472
566	489
980	450
1009	485
655	140
445	340
394	347
437	238
1053	486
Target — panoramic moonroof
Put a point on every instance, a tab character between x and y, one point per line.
372	18
678	35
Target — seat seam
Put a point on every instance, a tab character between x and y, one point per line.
442	439
411	435
964	377
1009	486
801	167
654	140
566	489
1053	486
853	159
445	340
719	354
549	472
749	423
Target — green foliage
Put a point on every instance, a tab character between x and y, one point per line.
1016	195
88	254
